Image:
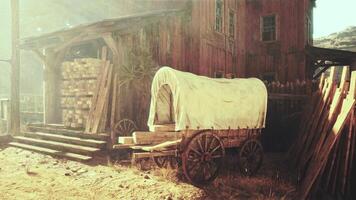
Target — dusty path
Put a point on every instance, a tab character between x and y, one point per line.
26	175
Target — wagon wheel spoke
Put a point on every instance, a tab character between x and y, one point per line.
215	149
200	145
196	151
193	166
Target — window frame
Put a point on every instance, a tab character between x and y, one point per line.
262	27
233	35
221	28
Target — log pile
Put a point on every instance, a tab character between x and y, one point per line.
85	68
79	81
324	151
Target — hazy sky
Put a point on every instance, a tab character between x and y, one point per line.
333	16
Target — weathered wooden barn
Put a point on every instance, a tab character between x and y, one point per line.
269	39
213	38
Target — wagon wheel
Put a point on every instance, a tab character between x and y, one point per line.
250	157
125	127
202	158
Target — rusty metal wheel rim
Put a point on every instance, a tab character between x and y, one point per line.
202	158
125	127
250	157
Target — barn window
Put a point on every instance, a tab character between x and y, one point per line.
269	28
219	15
232	24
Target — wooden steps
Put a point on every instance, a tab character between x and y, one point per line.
57	145
55	139
67	139
67	132
71	156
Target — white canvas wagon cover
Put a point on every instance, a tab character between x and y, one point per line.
193	101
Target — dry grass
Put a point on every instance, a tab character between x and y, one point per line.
25	175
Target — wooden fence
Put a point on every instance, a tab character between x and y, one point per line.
31	108
4	115
285	105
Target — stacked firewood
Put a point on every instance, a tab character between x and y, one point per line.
84	68
72	87
324	151
78	87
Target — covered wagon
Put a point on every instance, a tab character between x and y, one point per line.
193	119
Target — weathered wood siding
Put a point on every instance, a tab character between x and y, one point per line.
285	56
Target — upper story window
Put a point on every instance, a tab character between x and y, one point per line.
219	6
232	24
269	28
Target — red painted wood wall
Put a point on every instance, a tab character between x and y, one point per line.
193	45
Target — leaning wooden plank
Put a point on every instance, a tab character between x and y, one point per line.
113	109
345	159
336	104
304	128
322	81
96	96
163	146
327	122
319	160
155	137
317	116
126	140
352	90
98	114
344	77
352	156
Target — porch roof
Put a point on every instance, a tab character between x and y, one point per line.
94	30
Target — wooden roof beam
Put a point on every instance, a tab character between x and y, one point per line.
109	40
70	42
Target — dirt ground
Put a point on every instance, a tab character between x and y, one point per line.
27	175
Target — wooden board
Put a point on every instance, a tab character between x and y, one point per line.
155	137
164	128
100	101
126	140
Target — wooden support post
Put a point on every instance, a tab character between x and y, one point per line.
52	107
15	71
